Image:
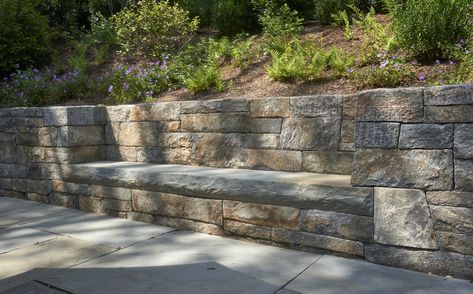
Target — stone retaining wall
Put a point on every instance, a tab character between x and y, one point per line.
414	146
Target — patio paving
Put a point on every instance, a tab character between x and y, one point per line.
46	249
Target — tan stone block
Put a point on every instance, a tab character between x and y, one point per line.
189	225
247	230
274	160
155	112
216	122
139	134
270	107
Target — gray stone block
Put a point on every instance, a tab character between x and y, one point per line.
316	106
247	230
376	135
266	125
235	105
74	116
450	198
449	114
216	122
459	243
449	95
463	172
350	104
161	111
207	106
64	200
328	162
395	105
426	136
347	135
283	160
422	169
189	225
270	107
341	225
263	141
118	113
457	220
322	133
73	136
402	218
436	262
219	150
463	145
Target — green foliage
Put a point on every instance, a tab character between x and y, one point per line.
276	20
428	29
24	36
204	78
233	16
342	19
306	61
243	51
325	9
152	29
388	74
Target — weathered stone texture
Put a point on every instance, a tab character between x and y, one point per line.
261	214
449	95
7	152
12	170
189	225
328	162
402	218
155	112
109	192
118	113
216	122
207	106
449	114
270	107
376	135
74	116
341	225
170	205
426	136
103	205
263	141
219	150
47	137
457	220
350	105
451	198
463	145
348	131
396	105
316	106
423	169
318	241
463	175
140	217
139	134
65	155
247	230
321	133
274	160
37	197
436	262
65	200
72	136
459	243
266	125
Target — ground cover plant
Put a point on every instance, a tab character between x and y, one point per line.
124	51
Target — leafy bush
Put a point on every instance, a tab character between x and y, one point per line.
242	50
234	16
325	9
388	74
430	28
278	20
153	29
204	78
342	19
24	36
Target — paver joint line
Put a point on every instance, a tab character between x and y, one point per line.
52	287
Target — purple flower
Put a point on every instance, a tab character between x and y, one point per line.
437	62
451	62
110	89
350	70
413	62
128	71
421	77
462	41
384	63
35	70
65	91
126	86
379	55
21	94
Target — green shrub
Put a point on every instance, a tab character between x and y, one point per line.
342	19
234	16
277	20
388	74
243	51
430	28
205	78
152	29
24	36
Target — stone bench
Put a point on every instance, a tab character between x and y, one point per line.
293	209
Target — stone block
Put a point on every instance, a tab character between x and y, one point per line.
262	214
170	205
347	146
206	106
5	184
270	107
423	169
19	185
376	135
140	217
457	220
347	132
402	218
455	242
463	172
317	241
340	225
436	262
121	153
463	145
449	114
247	230
73	136
74	116
235	105
46	171
316	106
449	95
262	141
109	192
28	122
176	140
139	134
47	137
395	105
189	225
43	187
70	188
216	122
426	136
350	105
160	111
28	138
7	152
165	155
103	205
64	200
266	125
12	170
328	162
450	198
282	160
118	113
37	197
219	150
65	155
322	133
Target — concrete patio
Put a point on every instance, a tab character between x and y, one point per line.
48	249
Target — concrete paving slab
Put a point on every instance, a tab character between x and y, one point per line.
8	204
18	237
333	274
208	278
32	287
275	266
29	263
100	229
28	214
